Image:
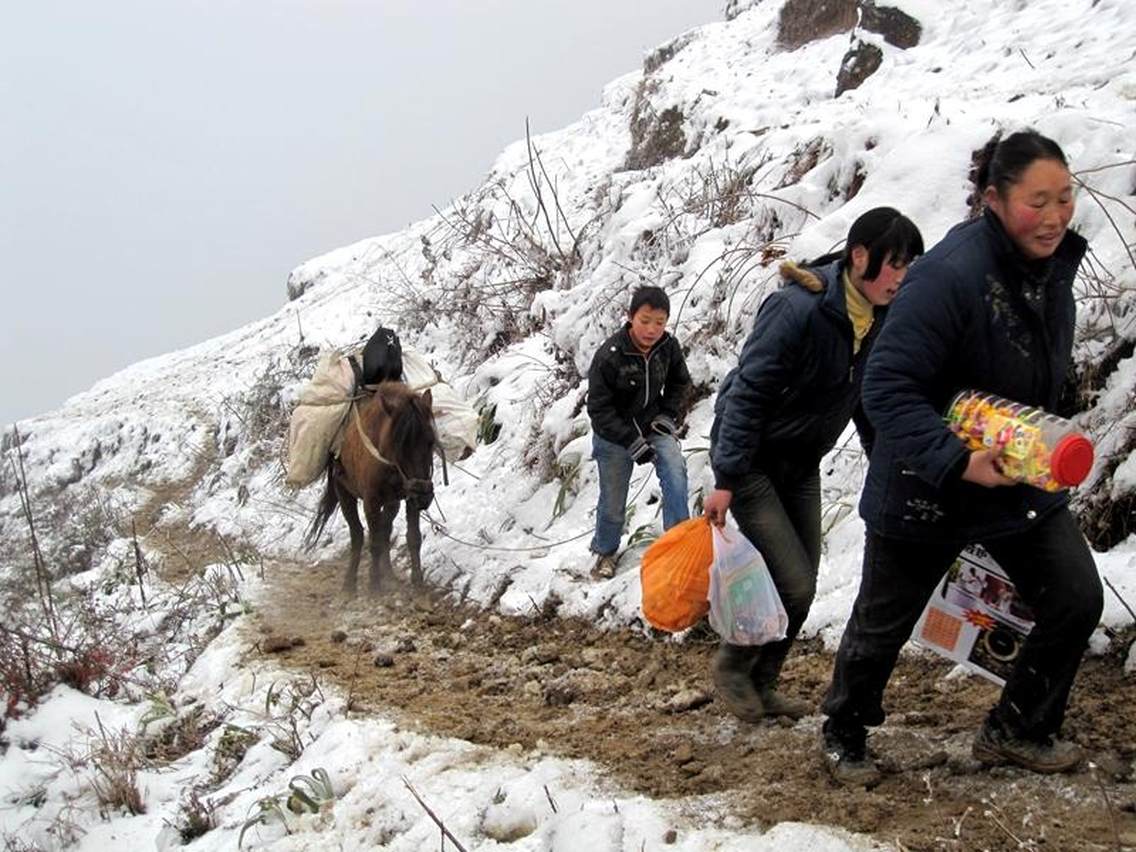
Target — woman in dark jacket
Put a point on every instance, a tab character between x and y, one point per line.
796	386
990	307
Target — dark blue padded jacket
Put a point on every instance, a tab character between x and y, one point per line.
797	382
972	313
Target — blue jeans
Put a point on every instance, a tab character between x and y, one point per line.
615	466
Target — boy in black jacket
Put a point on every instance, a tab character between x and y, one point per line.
636	385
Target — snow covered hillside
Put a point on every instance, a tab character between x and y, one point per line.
726	152
745	155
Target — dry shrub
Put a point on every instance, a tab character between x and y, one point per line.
12	843
185	734
231	748
720	193
1107	519
804	159
195	817
507	260
114	760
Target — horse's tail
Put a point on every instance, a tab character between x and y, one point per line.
327	506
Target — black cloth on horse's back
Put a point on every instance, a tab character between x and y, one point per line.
382	357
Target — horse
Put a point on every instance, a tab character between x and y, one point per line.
387	457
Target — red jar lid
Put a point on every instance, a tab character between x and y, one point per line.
1072	460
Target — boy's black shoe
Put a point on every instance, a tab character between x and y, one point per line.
845	752
992	746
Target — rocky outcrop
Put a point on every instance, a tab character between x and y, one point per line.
736	7
655	136
898	28
805	21
860	62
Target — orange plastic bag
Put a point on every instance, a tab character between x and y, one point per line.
675	575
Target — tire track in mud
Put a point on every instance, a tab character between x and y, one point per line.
641	709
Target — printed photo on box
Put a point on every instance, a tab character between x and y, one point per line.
975	617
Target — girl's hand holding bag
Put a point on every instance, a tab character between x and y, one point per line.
745	608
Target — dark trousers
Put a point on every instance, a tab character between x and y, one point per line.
1054	572
780	514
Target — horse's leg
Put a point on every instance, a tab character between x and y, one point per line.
414	544
349	505
380	518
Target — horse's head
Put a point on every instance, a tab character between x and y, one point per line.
411	441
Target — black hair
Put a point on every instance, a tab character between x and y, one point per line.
652	297
1000	162
882	231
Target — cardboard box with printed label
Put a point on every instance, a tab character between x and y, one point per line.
975	617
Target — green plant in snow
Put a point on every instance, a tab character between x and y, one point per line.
309	793
568	474
487	426
643	534
160	708
268	811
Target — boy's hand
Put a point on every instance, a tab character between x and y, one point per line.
716	504
641	451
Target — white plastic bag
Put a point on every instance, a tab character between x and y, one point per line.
745	608
315	428
456	420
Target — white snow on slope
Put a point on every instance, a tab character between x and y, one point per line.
748	109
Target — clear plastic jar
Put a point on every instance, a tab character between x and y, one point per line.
1037	447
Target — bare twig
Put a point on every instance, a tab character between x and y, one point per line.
441	825
1096	195
535	183
1120	598
1106	167
139	562
1107	803
555	194
42	577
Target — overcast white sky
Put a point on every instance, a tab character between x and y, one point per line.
165	163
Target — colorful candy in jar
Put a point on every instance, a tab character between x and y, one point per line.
1036	447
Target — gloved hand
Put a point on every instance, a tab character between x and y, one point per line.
641	451
664	425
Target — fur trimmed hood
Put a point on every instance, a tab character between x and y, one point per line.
801	275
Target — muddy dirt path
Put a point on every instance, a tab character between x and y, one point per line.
643	710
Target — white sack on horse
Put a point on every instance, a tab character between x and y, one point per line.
315	430
454	419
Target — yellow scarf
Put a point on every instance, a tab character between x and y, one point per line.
860	311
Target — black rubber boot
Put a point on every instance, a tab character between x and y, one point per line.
732	667
778	704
